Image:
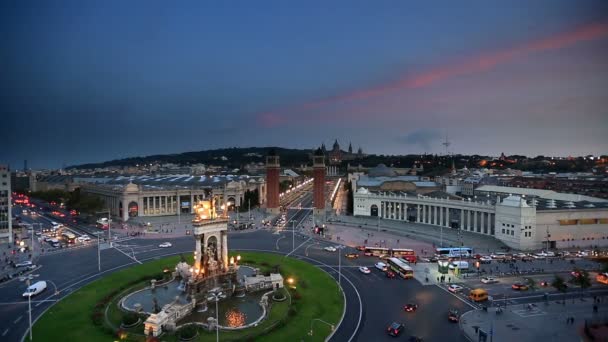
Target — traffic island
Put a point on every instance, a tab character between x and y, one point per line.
93	313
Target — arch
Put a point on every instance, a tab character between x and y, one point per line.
133	209
373	210
212	247
232	202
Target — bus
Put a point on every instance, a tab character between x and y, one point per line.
102	223
376	251
400	267
602	278
404	253
68	237
454	252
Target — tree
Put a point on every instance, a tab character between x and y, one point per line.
560	285
531	283
581	278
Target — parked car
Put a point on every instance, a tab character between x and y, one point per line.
395	329
364	270
489	280
330	248
165	245
360	248
24	264
454	288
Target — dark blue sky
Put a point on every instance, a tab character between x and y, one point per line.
86	82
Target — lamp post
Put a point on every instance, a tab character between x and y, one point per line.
293	235
28	281
216	296
98	251
339	248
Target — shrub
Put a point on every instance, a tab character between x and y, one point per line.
130	318
292	311
187	332
97	317
276	268
303	284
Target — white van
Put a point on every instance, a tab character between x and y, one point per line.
35	289
461	265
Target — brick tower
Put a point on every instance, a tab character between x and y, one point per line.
272	182
318	166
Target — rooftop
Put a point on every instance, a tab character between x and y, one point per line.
171	181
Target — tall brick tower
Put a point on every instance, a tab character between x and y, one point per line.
318	166
272	182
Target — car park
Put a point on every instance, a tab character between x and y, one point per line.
165	245
454	288
364	270
381	266
395	329
489	280
330	248
519	287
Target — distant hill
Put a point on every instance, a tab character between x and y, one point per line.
234	157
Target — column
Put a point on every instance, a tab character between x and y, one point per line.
475	221
435	215
418	213
423	214
154	205
447	217
225	249
461	226
197	263
469	220
191	202
441	216
483	221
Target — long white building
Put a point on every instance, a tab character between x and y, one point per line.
523	221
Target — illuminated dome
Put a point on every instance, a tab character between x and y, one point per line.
131	187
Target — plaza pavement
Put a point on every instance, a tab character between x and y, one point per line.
541	323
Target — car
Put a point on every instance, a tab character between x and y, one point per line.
410	307
35	289
499	255
165	245
381	266
544	283
38	233
352	255
453	316
24	264
395	329
390	274
485	260
489	280
330	248
83	238
360	248
454	288
384	256
519	287
364	270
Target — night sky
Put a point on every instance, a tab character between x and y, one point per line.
85	81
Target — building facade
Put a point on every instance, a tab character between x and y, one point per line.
158	196
6	224
523	223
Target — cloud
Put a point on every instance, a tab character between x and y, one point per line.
479	63
424	137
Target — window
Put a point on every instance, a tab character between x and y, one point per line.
503	231
512	232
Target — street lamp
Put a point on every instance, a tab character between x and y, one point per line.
28	281
217	296
339	248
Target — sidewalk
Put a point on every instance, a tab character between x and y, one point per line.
541	323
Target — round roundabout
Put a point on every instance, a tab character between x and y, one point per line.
308	307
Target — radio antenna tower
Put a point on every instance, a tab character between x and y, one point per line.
446	144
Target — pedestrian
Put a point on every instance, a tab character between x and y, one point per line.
437	279
449	279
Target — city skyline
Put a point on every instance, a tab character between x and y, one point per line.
91	83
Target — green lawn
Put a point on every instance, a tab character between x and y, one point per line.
316	295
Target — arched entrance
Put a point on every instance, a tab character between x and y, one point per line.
133	209
231	203
374	210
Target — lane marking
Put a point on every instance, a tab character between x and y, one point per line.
5	332
128	256
18	319
279	239
295	249
460	299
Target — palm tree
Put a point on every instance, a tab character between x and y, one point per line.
560	285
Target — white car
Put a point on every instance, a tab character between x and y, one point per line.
485	260
489	280
381	266
24	264
35	289
165	245
330	248
83	238
364	270
454	288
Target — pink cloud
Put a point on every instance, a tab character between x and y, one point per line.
479	63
